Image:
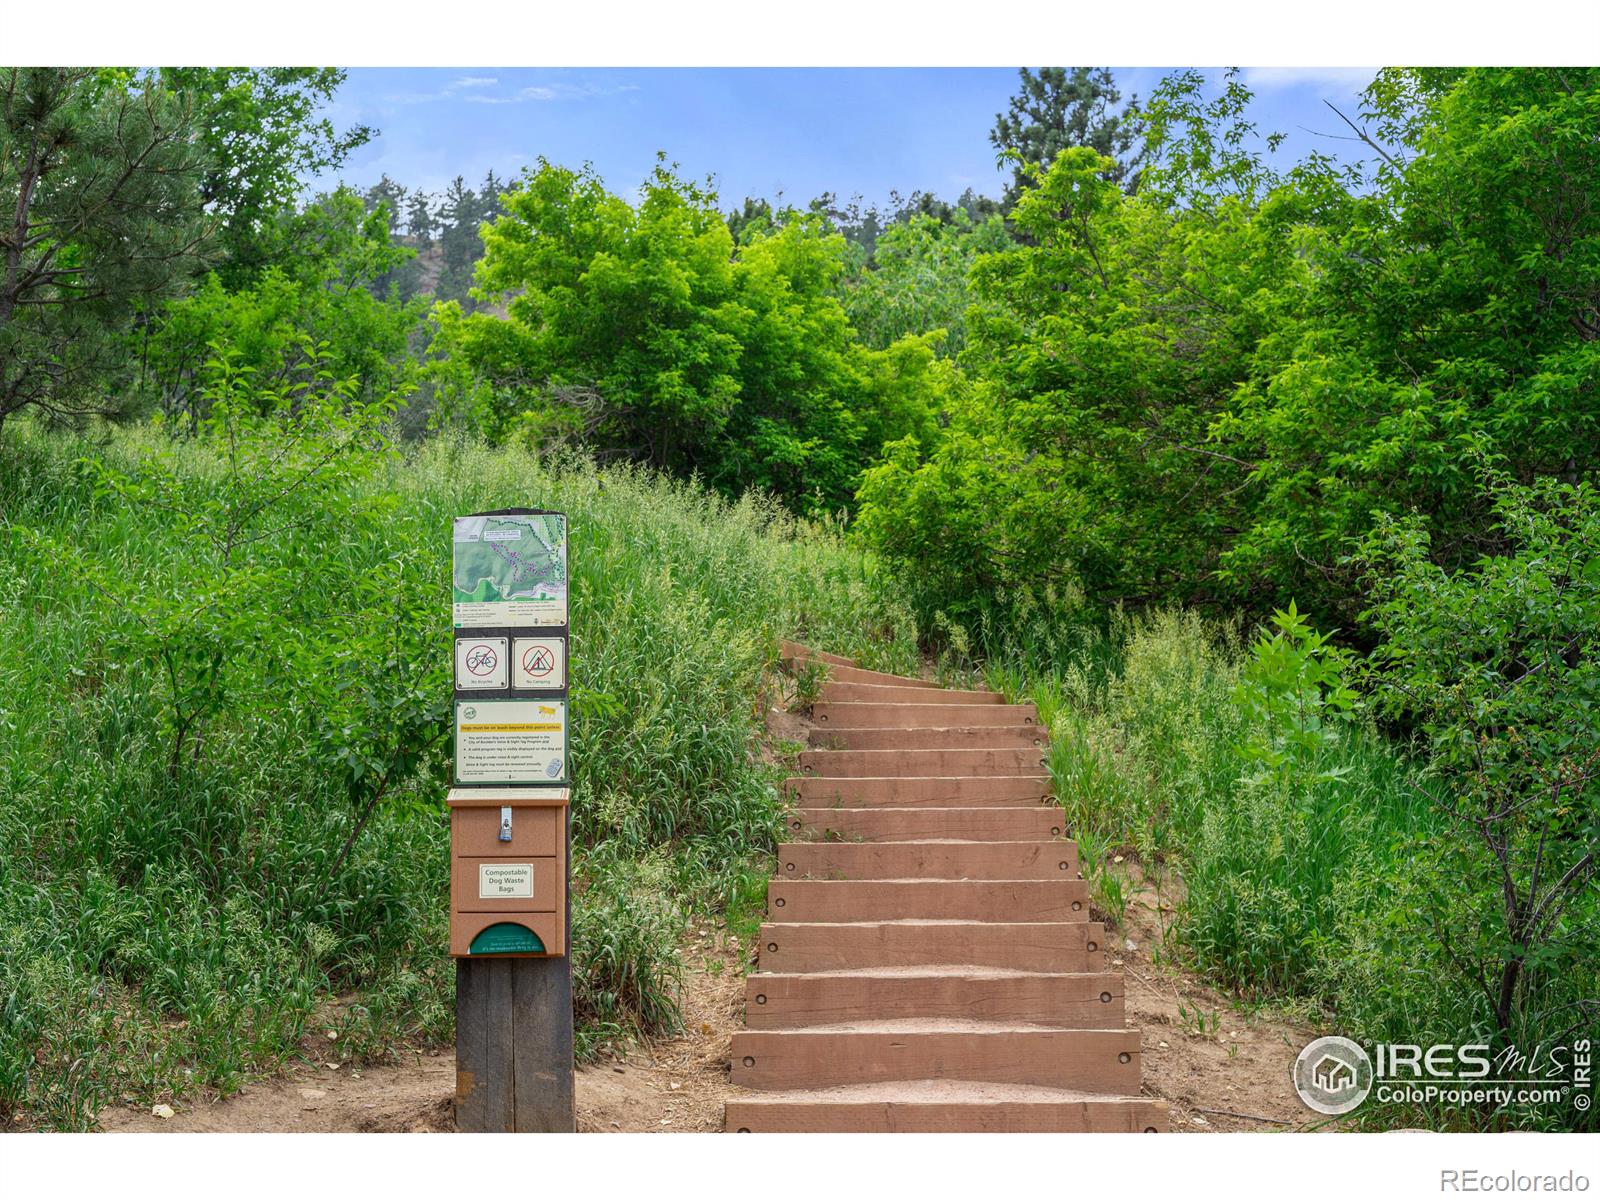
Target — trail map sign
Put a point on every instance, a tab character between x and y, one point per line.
510	570
509	605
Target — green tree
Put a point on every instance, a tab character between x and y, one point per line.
916	281
263	138
321	310
460	214
391	197
644	333
100	174
420	219
1496	666
1211	386
1060	107
1456	301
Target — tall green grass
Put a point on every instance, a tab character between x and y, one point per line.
166	932
1309	890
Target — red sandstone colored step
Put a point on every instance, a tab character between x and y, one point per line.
830	764
970	737
937	791
1071	946
837	674
928	860
869	714
794	650
942	1106
940	899
874	693
1020	824
1087	1060
1091	1000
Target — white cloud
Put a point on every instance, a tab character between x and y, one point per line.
469	90
1267	79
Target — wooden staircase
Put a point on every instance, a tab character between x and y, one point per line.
929	964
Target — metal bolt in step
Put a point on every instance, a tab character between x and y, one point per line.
788	866
750	1062
1076	905
780	901
1066	866
1147	1129
1092	946
762	999
1105	998
1124	1057
1055	831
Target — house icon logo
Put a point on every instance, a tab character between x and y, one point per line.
1332	1075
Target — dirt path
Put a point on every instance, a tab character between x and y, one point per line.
1219	1068
671	1086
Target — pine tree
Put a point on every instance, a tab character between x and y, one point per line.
1061	107
420	219
387	191
490	205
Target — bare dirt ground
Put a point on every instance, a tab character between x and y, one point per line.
671	1086
1219	1067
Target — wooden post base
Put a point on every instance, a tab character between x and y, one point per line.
514	1065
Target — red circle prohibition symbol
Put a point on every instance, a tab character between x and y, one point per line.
538	661
481	659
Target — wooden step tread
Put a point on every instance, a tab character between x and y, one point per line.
885	824
871	693
963	899
1091	1060
804	946
954	997
944	971
938	791
916	714
931	859
788	649
942	1106
839	673
951	1027
941	737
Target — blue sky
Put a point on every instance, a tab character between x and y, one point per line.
758	131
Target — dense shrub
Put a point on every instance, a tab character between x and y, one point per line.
170	923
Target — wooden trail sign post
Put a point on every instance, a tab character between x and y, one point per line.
510	828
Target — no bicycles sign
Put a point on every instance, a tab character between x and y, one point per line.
480	663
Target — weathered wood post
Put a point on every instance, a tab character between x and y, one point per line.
510	824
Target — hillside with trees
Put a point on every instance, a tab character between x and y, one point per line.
1272	484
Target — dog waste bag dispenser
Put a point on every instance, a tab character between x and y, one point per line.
510	794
